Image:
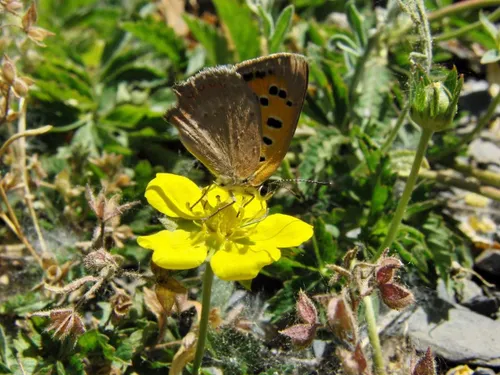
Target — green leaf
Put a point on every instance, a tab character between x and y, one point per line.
241	26
283	25
126	116
158	35
60	368
94	341
130	345
357	23
340	93
327	247
266	20
5	350
209	37
489	26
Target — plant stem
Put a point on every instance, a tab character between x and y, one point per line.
371	324
425	33
405	198
488	177
460	7
481	124
394	132
208	278
464	30
21	127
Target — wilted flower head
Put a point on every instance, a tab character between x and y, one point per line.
64	322
393	294
229	228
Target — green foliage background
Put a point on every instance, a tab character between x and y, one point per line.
104	83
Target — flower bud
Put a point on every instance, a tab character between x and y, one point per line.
434	104
8	70
20	87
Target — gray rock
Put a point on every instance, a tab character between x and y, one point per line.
451	331
483	371
489	261
484	151
468	290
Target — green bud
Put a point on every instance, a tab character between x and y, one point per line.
434	103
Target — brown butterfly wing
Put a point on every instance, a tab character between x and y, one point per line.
280	82
218	118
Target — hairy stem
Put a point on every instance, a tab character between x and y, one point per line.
394	132
205	312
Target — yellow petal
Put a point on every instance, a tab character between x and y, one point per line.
241	262
281	231
177	250
172	195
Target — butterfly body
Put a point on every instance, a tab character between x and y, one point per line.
239	120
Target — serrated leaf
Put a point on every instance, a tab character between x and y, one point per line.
126	116
94	341
130	345
327	247
5	350
159	36
209	37
241	26
282	27
340	93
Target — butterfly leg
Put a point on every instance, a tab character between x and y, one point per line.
224	206
205	192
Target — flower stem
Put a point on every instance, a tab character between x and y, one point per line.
208	278
394	132
371	324
410	183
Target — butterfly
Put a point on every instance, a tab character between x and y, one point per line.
239	120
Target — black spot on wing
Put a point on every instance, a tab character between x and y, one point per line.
274	122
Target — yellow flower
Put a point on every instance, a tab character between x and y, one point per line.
238	239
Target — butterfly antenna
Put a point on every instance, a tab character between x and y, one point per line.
296	180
